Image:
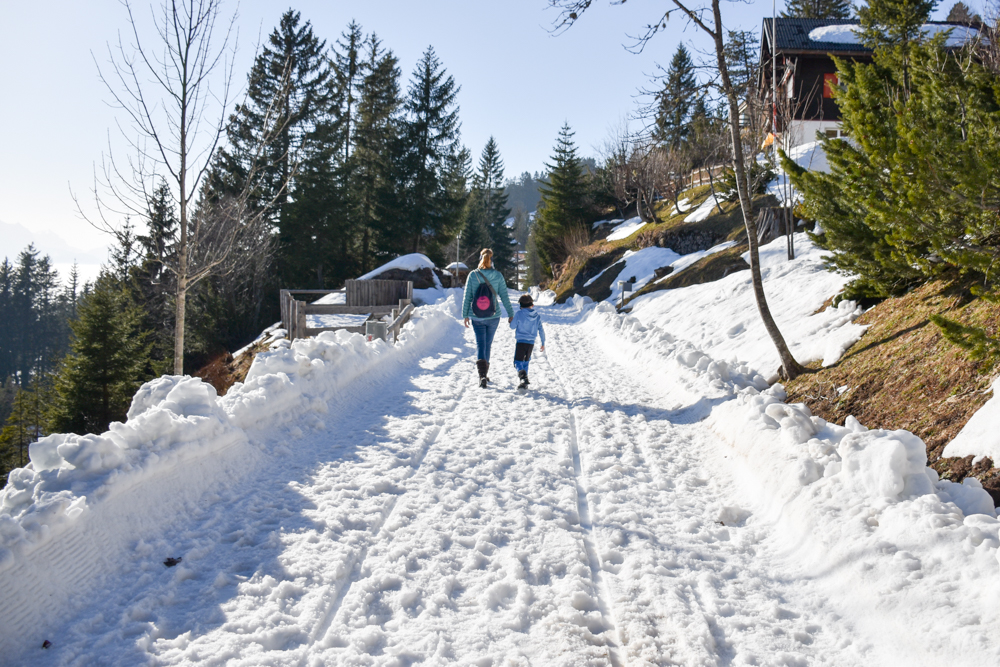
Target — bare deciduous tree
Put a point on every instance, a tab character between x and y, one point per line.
708	18
175	94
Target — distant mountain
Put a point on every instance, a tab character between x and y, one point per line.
14	238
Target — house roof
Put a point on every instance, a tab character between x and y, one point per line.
796	35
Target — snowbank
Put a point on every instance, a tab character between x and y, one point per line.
82	500
721	317
626	229
412	262
981	434
542	297
858	510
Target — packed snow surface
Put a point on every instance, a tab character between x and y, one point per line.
849	33
625	229
649	501
412	262
704	211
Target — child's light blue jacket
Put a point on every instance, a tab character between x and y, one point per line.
526	325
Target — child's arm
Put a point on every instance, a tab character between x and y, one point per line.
541	332
515	320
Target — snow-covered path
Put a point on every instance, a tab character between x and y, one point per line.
590	521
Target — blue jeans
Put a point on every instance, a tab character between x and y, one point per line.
485	330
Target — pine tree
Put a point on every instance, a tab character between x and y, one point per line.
290	80
676	100
960	13
488	212
432	139
916	195
376	162
818	9
348	76
563	208
22	427
107	362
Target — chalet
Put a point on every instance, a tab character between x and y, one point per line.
806	74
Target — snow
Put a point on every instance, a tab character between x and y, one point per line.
704	211
682	206
333	298
722	319
981	434
649	501
412	262
851	33
335	321
607	222
457	266
643	263
626	229
509	223
542	297
809	156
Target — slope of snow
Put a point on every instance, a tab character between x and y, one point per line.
704	211
412	262
722	319
981	434
626	229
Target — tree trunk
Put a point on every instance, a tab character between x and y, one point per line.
791	367
181	301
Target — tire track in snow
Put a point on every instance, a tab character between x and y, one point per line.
601	591
379	534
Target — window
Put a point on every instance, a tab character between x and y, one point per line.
829	83
831	134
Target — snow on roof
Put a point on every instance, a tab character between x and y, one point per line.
849	33
457	265
412	262
626	229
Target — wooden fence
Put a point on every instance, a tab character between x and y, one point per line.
375	302
377	292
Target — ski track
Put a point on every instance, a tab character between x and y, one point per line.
587	521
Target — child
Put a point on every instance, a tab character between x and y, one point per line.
526	324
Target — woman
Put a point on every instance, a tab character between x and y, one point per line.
481	305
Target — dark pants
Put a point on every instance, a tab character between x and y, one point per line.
484	330
522	355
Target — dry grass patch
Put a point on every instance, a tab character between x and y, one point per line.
903	374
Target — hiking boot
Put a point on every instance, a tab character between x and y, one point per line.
482	366
523	375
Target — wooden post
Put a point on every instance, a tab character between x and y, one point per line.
300	314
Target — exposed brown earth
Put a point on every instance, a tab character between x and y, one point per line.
903	374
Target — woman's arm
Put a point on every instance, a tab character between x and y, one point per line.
467	297
502	290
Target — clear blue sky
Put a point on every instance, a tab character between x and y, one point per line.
519	82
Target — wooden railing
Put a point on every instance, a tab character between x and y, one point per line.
372	301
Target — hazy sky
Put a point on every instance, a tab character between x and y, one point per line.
518	81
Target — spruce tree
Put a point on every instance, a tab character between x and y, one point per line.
488	211
818	9
375	165
348	76
960	13
107	362
675	101
432	139
563	209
